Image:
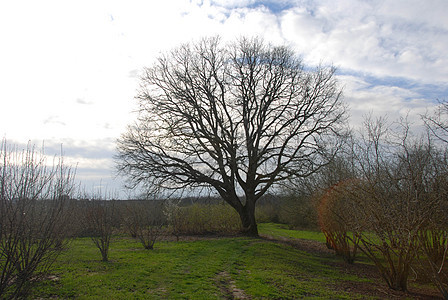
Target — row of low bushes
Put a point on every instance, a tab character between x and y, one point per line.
197	219
187	219
295	210
126	216
149	220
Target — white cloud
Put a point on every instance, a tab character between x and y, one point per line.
378	100
249	22
233	3
381	38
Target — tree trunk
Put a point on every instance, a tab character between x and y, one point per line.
399	281
247	215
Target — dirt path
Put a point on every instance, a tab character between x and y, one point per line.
376	288
228	287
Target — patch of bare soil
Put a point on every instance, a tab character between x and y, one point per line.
375	288
228	288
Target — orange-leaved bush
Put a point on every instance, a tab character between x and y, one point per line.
338	221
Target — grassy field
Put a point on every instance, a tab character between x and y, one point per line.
281	230
209	268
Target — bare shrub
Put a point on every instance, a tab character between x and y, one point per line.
33	199
100	220
304	195
174	218
145	221
434	240
432	262
394	197
433	237
337	215
130	222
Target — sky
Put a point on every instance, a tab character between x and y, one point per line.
69	69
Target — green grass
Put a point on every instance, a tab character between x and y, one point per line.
203	269
281	230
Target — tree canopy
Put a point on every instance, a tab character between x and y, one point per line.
237	117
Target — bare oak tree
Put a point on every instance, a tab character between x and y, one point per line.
238	118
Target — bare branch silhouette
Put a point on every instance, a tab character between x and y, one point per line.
238	118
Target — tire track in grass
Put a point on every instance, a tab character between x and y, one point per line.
227	287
